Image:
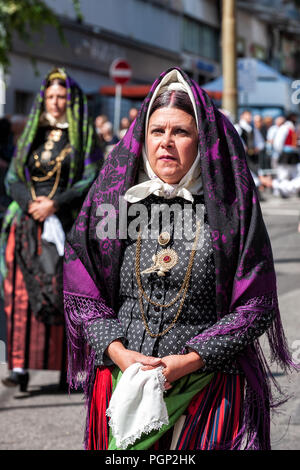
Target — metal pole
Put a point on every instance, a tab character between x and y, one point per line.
230	96
2	92
118	97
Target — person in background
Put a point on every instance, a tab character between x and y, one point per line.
56	160
298	134
133	112
285	143
99	121
285	188
246	132
124	126
270	141
108	136
259	142
267	122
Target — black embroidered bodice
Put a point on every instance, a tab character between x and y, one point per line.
199	308
65	199
43	188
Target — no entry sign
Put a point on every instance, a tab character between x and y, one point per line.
120	71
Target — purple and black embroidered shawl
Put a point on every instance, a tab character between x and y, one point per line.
245	277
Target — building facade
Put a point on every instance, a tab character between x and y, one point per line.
152	35
269	30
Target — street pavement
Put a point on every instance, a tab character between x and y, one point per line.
44	419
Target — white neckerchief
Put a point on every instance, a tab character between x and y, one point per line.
60	123
148	181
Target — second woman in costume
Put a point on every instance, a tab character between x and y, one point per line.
55	163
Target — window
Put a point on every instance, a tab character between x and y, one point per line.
23	102
241	47
200	39
259	52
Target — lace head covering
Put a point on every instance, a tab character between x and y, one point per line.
148	181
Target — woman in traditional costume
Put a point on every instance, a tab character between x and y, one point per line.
163	323
54	165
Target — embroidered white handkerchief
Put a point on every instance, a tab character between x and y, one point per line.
137	405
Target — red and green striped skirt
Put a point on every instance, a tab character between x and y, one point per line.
210	421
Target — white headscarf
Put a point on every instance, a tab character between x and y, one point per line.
148	181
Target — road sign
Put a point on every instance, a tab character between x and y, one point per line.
120	71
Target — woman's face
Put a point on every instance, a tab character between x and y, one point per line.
56	100
172	143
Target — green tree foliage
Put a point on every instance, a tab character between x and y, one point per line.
24	17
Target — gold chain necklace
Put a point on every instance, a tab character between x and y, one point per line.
56	169
184	287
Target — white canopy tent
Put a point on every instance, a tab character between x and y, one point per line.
261	88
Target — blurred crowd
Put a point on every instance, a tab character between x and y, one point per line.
105	131
272	149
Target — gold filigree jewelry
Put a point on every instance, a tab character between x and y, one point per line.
37	163
164	238
162	262
183	289
46	155
55	135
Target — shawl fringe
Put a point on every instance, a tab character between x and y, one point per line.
79	312
258	398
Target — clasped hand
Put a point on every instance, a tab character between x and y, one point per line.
41	208
174	366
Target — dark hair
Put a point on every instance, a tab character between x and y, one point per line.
173	99
292	117
56	81
246	111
